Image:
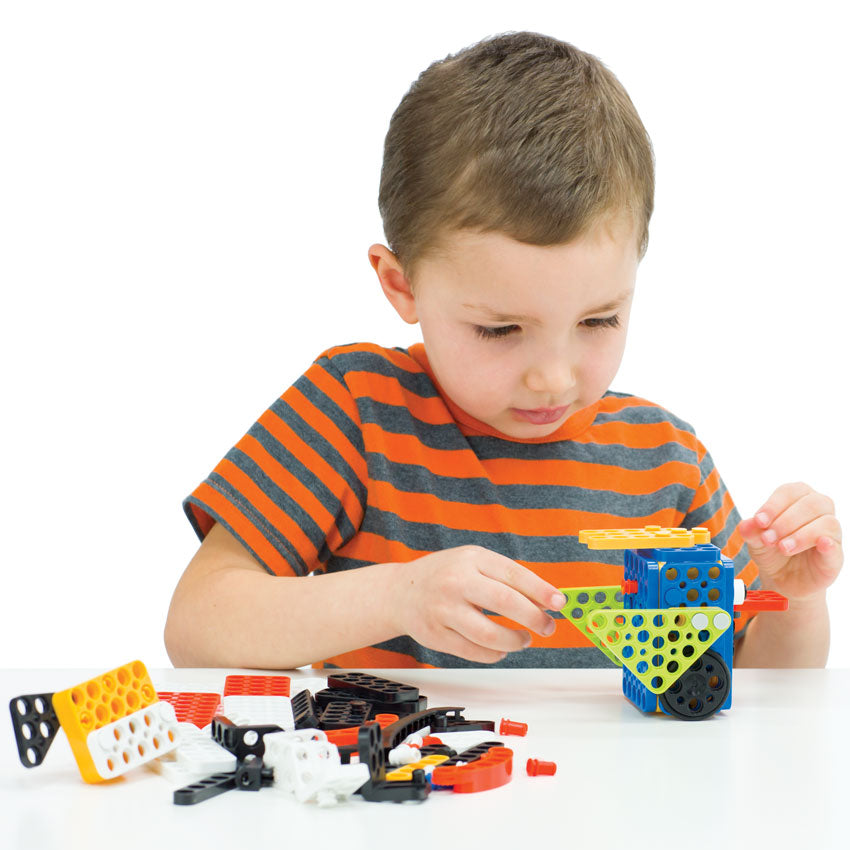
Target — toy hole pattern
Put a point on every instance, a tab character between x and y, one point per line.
649	653
582	603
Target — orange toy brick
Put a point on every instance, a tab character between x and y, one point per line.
256	686
493	769
115	722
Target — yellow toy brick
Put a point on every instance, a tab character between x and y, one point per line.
650	537
405	772
100	702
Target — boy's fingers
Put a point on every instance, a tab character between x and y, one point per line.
782	531
506	602
782	499
456	643
530	585
808	535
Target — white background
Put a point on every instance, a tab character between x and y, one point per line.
187	195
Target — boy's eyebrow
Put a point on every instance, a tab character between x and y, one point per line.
496	316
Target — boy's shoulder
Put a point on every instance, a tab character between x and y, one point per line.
639	421
356	356
366	359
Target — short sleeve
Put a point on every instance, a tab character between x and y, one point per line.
712	508
292	490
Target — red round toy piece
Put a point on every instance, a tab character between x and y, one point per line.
533	767
510	727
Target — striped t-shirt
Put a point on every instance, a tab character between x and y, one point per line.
363	460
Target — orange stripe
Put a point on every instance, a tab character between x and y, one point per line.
294	488
387	390
372	548
565	636
243	527
276	516
424	507
327	428
372	657
407	449
317	464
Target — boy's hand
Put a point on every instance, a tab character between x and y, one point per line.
795	541
440	598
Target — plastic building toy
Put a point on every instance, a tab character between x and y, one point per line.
305	712
340	715
669	625
196	708
374	688
307	767
257	686
114	722
249	775
242	741
533	767
512	727
35	724
490	770
196	757
405	772
384	695
258	711
377	788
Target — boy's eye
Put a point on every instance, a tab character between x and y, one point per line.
495	333
607	322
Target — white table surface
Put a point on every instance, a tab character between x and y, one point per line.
770	772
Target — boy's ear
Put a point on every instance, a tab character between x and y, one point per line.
395	285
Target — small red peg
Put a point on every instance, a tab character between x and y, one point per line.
533	767
510	727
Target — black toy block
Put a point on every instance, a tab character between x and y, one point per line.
35	724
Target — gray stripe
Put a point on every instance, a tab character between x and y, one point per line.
531	657
432	537
376	363
286	551
315	485
478	490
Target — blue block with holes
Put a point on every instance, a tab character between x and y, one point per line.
682	577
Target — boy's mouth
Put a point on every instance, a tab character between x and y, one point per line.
540	416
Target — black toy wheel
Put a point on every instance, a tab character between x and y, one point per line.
701	689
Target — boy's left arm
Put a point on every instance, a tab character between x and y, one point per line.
795	540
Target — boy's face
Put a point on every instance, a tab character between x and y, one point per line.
519	336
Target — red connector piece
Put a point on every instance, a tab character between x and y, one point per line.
431	741
256	686
510	727
197	708
348	737
629	586
763	600
533	767
493	769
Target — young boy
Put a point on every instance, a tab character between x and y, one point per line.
437	492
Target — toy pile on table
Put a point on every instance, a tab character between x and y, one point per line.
360	734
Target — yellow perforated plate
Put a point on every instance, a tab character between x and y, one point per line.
659	644
650	537
582	602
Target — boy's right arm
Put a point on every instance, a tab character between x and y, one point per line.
228	611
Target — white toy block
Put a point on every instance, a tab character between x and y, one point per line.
133	740
196	757
259	711
403	754
307	767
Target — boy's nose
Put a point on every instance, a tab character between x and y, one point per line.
554	378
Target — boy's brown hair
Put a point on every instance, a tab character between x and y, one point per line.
521	134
